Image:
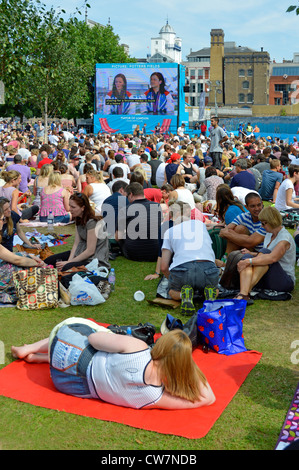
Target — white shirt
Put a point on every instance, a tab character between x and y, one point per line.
124	167
53	139
280	202
133	159
25	154
188	241
68	135
160	174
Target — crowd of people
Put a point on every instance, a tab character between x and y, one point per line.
154	198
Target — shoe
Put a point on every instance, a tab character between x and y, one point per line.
210	293
187	306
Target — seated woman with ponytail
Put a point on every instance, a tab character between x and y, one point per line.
91	238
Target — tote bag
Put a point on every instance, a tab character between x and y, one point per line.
36	288
220	324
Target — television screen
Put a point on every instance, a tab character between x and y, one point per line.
136	89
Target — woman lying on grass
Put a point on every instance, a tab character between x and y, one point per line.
89	361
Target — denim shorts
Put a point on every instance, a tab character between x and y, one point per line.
197	274
70	356
62	219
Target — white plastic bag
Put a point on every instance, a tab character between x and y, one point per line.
84	292
97	270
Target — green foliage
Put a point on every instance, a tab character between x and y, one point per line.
293	8
48	63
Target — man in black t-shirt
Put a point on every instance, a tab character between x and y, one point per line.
154	163
139	226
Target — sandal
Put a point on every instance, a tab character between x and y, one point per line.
244	297
187	306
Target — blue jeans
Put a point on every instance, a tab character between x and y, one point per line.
197	274
70	359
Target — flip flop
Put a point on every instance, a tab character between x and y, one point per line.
244	297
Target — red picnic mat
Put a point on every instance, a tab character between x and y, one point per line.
31	383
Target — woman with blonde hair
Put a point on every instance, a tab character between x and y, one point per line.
41	181
10	190
32	160
96	189
11	152
55	198
165	376
274	266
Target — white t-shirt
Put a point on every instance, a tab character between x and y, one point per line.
240	193
133	159
160	174
188	241
280	203
124	167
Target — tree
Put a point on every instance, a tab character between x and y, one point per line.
94	45
293	8
48	63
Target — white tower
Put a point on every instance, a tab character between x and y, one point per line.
167	47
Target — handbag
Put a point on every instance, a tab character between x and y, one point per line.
143	331
220	324
190	328
230	278
36	288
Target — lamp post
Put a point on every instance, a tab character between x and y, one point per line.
218	89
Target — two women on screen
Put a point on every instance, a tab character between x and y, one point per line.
156	100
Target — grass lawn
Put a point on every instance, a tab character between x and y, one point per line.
251	421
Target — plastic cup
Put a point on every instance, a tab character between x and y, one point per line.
139	296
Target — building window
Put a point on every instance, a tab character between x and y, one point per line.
199	87
249	73
277	101
192	88
241	73
200	73
250	98
241	98
192	73
245	85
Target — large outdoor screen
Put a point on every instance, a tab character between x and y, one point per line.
127	95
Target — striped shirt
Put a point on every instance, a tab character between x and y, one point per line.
253	227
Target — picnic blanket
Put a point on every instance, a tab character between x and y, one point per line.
31	383
290	429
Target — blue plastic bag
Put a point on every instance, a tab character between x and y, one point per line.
220	324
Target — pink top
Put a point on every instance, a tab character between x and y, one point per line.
52	202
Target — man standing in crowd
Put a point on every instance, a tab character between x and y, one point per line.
218	137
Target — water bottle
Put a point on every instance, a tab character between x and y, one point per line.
50	221
111	279
129	331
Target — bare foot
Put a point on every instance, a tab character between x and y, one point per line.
25	353
20	352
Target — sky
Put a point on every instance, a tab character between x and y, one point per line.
251	23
